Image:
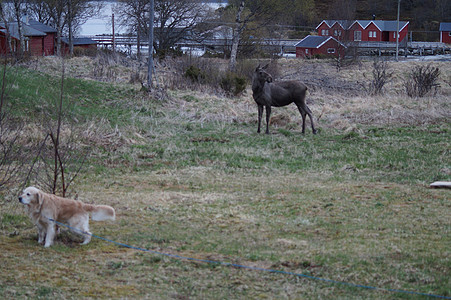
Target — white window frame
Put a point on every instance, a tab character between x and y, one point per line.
330	50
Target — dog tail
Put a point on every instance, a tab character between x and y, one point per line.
100	212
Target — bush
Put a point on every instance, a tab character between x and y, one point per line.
233	83
80	51
194	73
381	75
421	80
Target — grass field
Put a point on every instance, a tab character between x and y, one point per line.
189	176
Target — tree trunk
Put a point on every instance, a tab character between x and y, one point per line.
59	31
71	33
19	27
239	27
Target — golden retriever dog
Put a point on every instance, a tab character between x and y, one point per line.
42	207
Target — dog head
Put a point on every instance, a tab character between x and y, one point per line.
31	196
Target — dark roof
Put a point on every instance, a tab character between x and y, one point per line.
41	27
27	30
381	24
445	26
79	41
315	41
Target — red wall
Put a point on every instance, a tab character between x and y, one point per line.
445	37
380	36
402	35
35	45
49	44
323	27
300	52
3	44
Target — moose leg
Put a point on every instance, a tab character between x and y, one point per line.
311	119
304	110
268	116
260	113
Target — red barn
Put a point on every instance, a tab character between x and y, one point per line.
363	30
319	45
445	33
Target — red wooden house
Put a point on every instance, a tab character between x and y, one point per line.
48	46
314	45
445	33
363	30
83	43
39	39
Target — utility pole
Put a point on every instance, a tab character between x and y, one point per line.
397	31
150	60
113	39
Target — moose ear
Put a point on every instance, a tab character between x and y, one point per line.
258	67
265	67
269	79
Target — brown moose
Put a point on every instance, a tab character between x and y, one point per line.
267	93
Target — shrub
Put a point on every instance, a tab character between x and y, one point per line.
194	73
421	80
381	75
80	51
233	83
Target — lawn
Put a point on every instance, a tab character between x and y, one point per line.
191	180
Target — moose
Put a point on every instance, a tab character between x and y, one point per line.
267	93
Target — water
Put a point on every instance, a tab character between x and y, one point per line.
102	23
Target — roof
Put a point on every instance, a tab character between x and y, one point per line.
79	41
41	27
28	31
314	41
343	23
383	25
445	26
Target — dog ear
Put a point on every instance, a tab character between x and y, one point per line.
40	198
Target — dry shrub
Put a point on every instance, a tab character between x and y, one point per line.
422	80
203	74
380	76
280	120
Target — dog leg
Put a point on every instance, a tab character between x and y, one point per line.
87	236
50	235
41	233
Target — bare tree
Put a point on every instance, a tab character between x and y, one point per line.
17	4
174	20
251	15
65	15
132	15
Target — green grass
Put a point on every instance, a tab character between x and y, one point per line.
33	94
347	206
